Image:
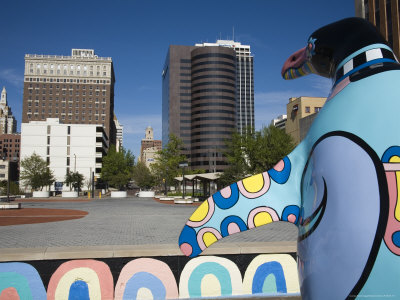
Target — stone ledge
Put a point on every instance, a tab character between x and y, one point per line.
110	251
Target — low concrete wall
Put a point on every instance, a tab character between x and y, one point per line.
40	194
69	194
119	194
248	270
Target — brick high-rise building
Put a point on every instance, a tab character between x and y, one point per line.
384	14
77	89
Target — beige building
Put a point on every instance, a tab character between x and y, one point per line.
298	109
8	124
149	147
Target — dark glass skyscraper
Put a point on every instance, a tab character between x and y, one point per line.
199	102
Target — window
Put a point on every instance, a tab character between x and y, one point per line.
307	109
317	109
67	161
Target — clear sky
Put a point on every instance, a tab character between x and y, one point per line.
136	34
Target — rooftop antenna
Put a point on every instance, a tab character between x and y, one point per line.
233	33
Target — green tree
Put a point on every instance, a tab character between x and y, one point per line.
35	172
142	176
255	152
74	180
166	165
117	167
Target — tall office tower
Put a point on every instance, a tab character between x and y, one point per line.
199	102
8	124
244	83
77	89
384	14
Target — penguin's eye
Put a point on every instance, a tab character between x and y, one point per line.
310	48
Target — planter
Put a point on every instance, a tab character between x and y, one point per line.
146	194
41	194
119	194
70	194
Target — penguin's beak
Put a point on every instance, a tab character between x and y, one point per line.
297	65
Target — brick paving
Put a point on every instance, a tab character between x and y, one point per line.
129	221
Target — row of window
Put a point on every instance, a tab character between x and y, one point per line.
212	111
213	62
213	83
229	133
83	105
213	119
222	146
63	111
63	117
233	71
50	98
64	92
207	55
213	76
213	104
213	91
40	79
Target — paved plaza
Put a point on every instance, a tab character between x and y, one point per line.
129	221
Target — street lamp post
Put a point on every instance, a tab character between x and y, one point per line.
182	165
5	151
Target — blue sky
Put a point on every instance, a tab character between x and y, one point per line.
136	34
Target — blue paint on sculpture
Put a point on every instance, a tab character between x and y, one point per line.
79	290
340	185
266	270
144	280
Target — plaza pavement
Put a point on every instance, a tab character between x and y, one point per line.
131	223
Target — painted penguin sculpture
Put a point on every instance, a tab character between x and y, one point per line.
340	185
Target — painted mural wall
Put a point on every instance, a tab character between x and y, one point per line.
150	278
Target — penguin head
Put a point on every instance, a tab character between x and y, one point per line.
330	45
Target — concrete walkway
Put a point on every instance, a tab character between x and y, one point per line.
125	226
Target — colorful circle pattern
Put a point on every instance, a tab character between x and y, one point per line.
227	197
231	225
255	186
261	215
291	214
280	173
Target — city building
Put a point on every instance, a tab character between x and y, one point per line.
77	89
149	147
8	170
244	83
199	102
299	108
384	14
10	146
8	124
65	147
280	122
119	133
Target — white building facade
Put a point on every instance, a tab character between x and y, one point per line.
65	147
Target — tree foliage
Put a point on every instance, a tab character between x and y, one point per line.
117	167
255	152
142	176
166	165
35	172
74	180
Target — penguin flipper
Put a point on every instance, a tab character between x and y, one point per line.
252	202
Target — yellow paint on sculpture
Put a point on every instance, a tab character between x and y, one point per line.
262	218
200	213
254	183
396	159
209	239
